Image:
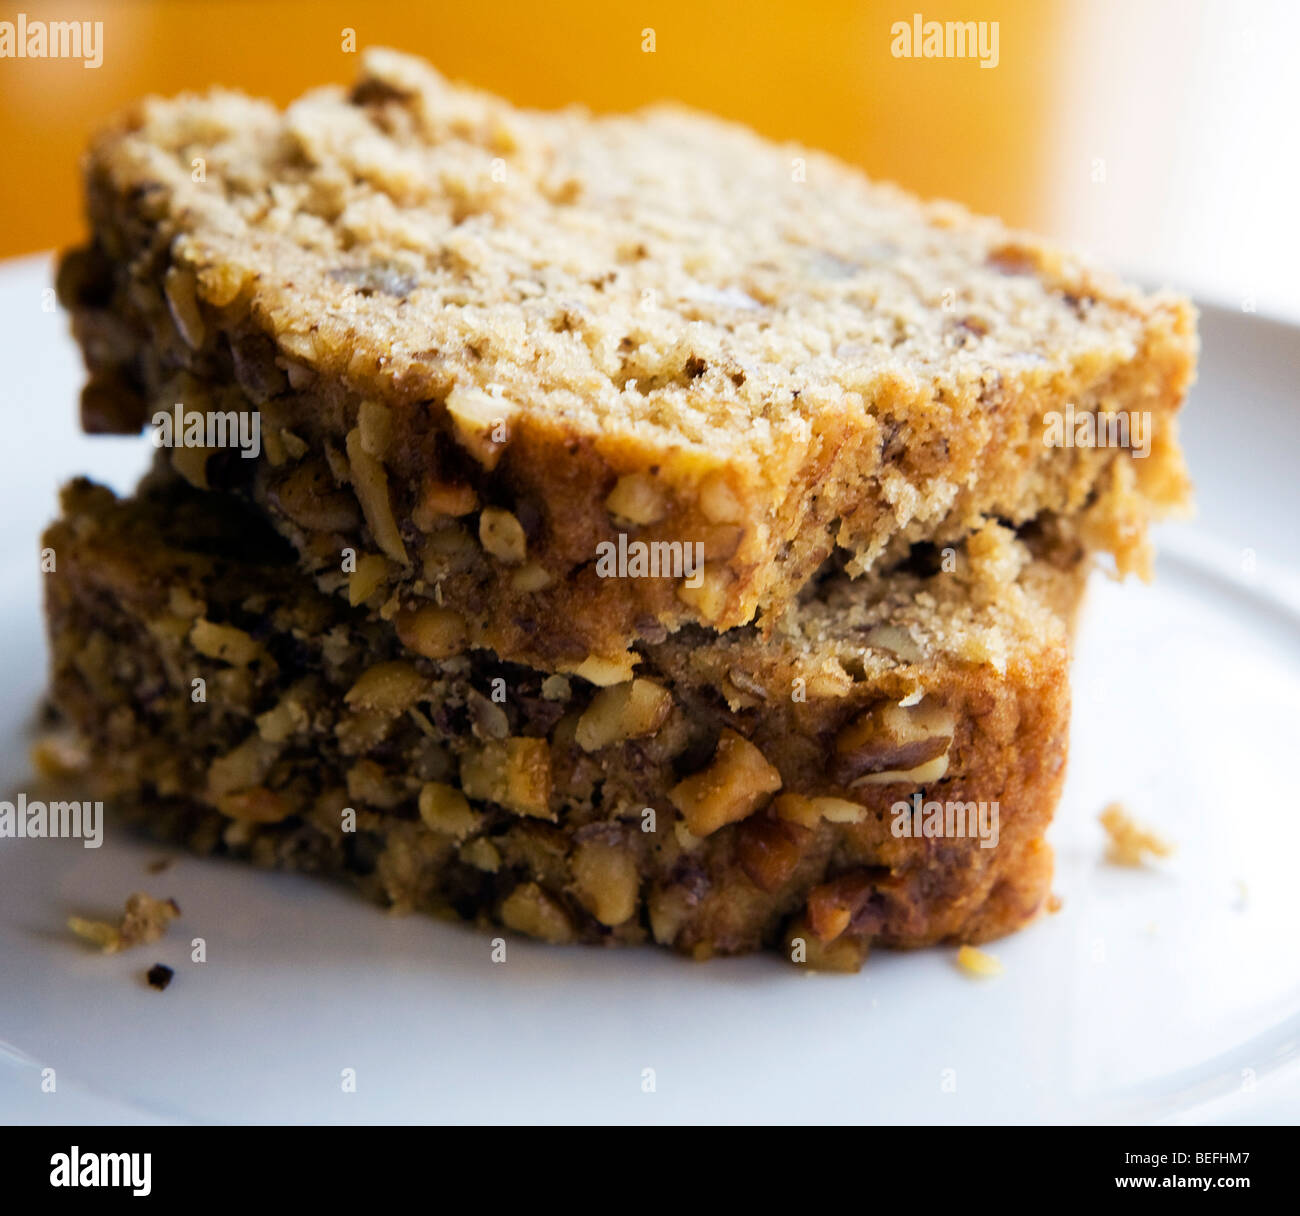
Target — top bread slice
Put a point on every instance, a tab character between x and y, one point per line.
491	349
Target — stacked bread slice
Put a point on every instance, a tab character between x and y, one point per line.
616	528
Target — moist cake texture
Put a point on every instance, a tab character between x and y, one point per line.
739	793
483	342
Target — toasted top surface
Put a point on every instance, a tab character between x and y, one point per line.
661	275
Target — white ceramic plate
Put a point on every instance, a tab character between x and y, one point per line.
1165	994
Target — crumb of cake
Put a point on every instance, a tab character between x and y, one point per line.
978	962
1054	904
494	810
1130	843
144	919
159	864
159	976
758	409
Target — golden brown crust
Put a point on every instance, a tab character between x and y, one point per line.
642	325
772	766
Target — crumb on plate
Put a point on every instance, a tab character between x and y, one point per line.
144	919
1130	843
978	962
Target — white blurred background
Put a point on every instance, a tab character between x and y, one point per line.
1179	145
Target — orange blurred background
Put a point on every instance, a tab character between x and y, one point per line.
1157	135
819	72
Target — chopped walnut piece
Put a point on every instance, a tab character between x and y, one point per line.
144	919
531	576
440	499
449	548
731	788
516	773
179	288
830	680
369	783
809	812
896	640
839	810
287	717
370	481
718	501
390	688
183	604
308	496
669	908
745	683
369	576
445	809
241	768
889	741
530	910
556	688
623	711
362	730
922	774
220	282
797	808
59	753
638	499
687	842
606	880
833	904
1130	843
375	424
605	671
488	719
436	633
254	805
339	468
482	854
710	594
224	642
502	535
481	423
769	850
844	954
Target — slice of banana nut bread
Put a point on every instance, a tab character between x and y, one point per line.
493	350
741	793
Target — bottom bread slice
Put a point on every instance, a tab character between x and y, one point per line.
880	770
